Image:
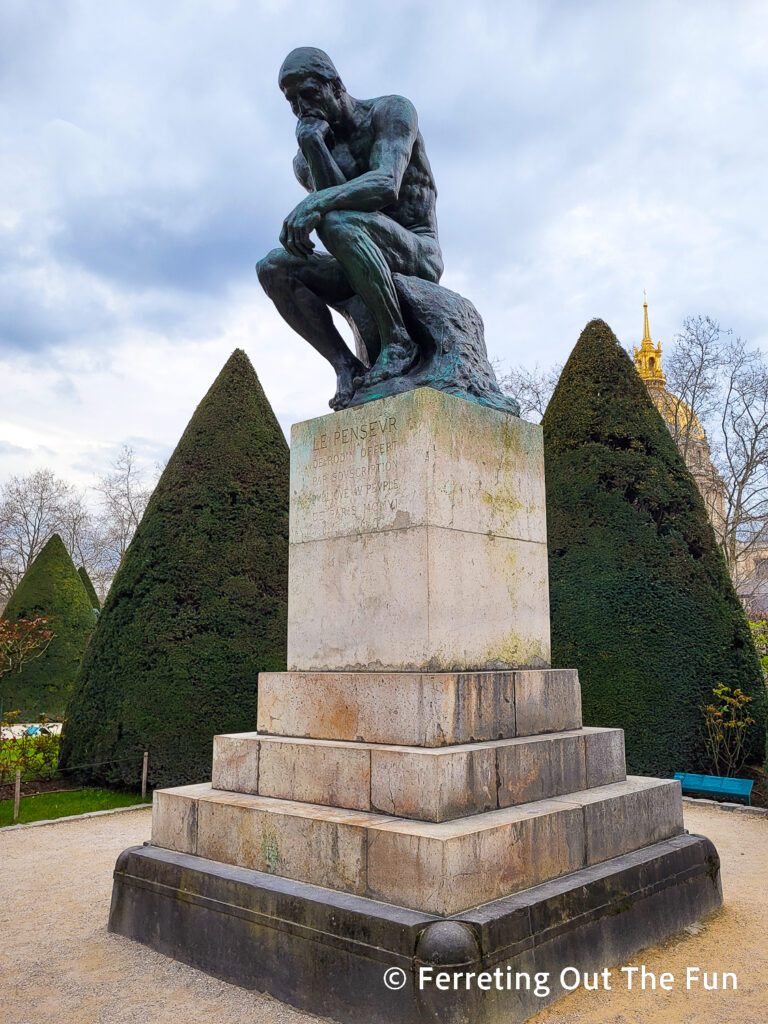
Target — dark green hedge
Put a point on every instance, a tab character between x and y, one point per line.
199	605
641	600
51	587
90	590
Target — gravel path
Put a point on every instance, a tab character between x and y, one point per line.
60	964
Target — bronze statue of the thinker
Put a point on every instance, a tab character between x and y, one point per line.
371	203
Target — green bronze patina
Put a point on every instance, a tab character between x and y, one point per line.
371	203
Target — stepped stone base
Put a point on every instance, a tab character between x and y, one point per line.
420	790
426	709
438	867
426	783
326	952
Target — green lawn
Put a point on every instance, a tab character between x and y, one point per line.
61	805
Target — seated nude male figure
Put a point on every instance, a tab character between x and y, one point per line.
372	204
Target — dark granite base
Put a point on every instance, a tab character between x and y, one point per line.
327	952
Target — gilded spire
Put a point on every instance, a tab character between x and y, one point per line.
646	328
648	356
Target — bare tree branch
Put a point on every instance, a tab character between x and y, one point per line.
124	495
532	388
34	507
692	376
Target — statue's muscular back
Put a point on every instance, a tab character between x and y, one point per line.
414	208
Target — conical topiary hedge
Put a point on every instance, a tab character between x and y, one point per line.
52	588
198	607
641	600
90	590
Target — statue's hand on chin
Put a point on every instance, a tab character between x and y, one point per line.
311	131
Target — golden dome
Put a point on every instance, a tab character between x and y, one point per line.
679	416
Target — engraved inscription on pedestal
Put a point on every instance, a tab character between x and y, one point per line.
350	477
418	538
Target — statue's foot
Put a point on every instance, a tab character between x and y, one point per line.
394	361
347	378
341	399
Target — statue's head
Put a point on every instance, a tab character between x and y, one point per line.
311	84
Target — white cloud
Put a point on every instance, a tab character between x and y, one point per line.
582	152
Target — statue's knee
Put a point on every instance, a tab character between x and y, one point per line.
271	269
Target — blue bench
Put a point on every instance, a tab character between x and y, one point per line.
715	785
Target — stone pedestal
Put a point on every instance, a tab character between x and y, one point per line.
420	789
417	539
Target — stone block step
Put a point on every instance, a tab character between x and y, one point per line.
425	783
425	709
325	952
438	867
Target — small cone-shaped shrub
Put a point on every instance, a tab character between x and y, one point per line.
90	590
641	600
198	607
52	588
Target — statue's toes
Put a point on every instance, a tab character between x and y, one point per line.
396	368
397	361
342	398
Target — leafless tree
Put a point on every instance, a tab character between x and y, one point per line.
32	509
726	385
693	370
124	494
741	456
532	388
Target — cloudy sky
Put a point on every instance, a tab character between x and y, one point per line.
583	151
